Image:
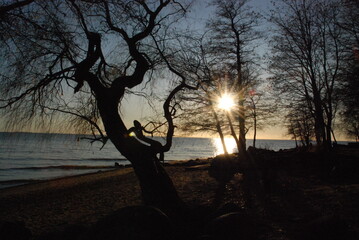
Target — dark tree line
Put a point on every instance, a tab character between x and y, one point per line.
349	91
310	56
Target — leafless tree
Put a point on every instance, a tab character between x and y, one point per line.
82	58
7	8
199	112
200	115
261	108
307	56
349	92
300	124
233	34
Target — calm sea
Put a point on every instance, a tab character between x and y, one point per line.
26	157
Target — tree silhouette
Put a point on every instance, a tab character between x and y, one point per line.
300	124
307	57
349	92
80	58
261	110
233	35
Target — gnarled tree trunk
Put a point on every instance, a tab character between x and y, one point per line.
156	186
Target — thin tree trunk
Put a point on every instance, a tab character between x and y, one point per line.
242	129
255	133
296	142
334	138
319	121
240	81
233	133
329	128
219	130
254	124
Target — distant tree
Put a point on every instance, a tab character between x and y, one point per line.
81	58
300	125
291	131
261	110
349	92
253	103
233	35
350	96
349	21
307	57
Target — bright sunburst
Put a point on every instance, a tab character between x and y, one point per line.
230	145
226	102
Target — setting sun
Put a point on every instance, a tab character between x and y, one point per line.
226	102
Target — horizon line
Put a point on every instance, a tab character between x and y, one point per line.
278	139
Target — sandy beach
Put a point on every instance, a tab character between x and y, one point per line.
84	199
300	199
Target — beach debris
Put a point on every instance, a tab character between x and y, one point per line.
117	165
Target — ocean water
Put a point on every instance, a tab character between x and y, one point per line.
26	157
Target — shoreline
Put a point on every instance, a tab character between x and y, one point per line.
44	205
23	182
83	199
96	169
84	176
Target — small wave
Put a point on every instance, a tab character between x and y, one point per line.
106	159
63	167
39	158
16	182
19	181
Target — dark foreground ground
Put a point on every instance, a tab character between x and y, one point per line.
278	195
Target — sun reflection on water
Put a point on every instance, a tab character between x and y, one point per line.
230	144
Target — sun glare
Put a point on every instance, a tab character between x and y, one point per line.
230	144
226	102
